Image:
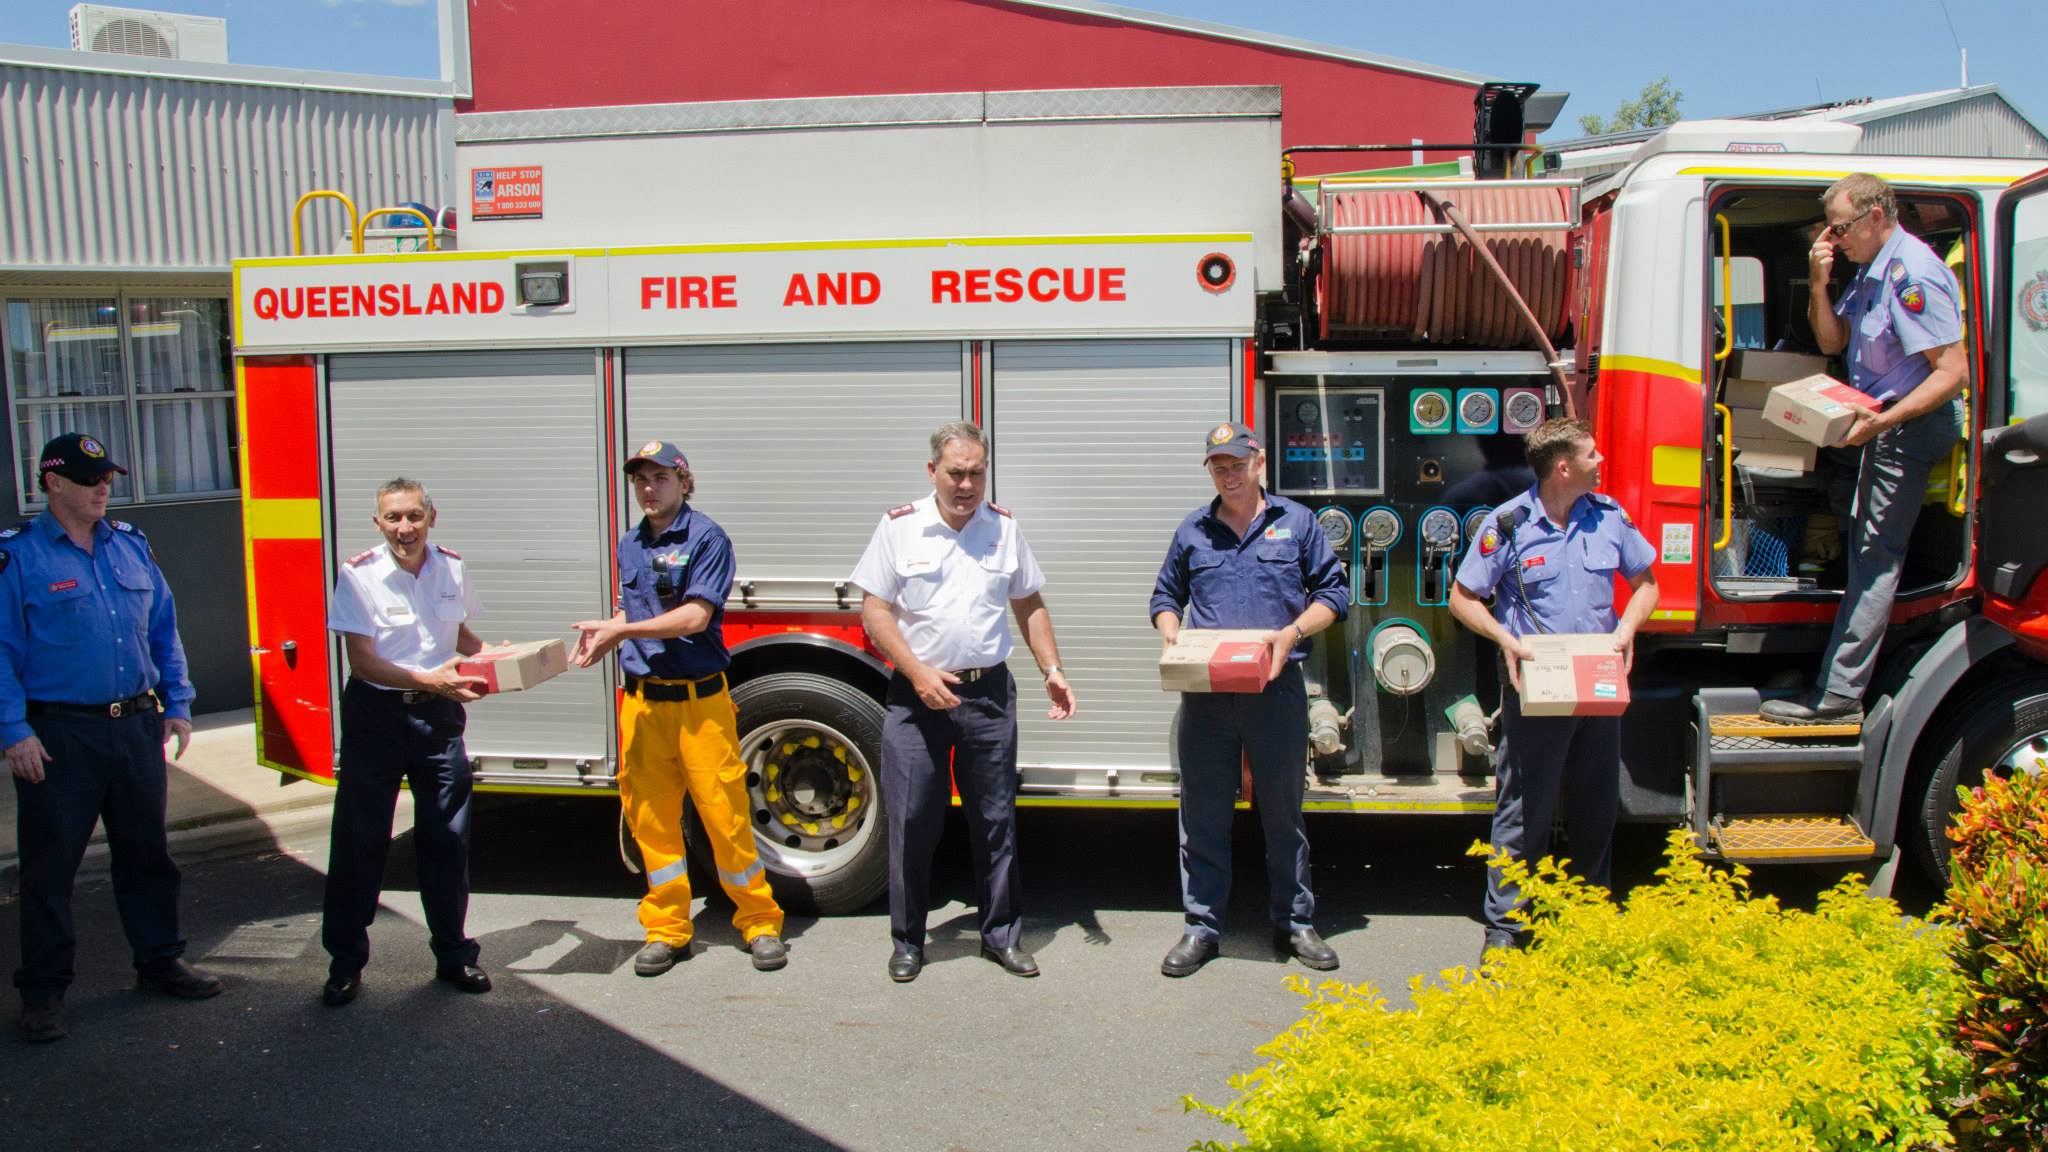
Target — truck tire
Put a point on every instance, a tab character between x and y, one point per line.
2002	728
813	750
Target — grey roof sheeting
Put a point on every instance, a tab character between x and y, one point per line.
128	170
1974	121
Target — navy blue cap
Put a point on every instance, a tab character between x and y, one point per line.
77	457
1229	440
660	452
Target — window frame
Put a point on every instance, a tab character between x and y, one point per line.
130	398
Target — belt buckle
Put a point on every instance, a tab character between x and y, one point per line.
114	710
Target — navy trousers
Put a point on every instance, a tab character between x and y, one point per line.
100	769
1545	761
1218	732
385	740
979	738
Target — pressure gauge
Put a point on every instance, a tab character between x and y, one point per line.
1440	529
1336	526
1431	409
1474	521
1379	528
1522	410
1476	408
1308	412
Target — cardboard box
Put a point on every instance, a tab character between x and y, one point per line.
1746	394
1818	409
1573	674
517	667
1775	367
1215	660
1776	455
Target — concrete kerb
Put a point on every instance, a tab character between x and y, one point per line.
220	802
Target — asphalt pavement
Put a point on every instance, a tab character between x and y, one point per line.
573	1050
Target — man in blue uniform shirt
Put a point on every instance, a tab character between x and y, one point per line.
1548	559
678	729
1247	559
92	678
1902	329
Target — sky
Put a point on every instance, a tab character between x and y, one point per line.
1777	54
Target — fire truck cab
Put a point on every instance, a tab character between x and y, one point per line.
1099	278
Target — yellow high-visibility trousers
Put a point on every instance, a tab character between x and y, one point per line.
668	747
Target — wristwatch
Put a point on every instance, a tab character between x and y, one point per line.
1053	669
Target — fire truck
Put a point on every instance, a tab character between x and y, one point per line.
798	292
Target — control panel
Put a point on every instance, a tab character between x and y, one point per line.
1328	441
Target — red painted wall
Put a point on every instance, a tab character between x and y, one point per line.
545	54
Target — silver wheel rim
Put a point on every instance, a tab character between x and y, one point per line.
810	794
2028	756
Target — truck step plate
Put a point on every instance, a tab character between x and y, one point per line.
1753	726
1791	838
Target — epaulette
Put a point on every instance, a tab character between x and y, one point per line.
999	510
900	513
450	553
361	558
124	526
16	530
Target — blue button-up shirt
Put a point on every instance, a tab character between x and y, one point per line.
1213	579
1547	578
84	628
692	560
1901	304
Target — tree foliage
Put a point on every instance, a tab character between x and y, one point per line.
1654	107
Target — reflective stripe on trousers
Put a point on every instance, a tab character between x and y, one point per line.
667	748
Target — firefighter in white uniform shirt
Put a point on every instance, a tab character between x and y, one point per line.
402	610
940	576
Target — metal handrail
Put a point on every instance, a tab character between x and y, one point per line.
1727	477
1410	229
355	222
372	214
1727	292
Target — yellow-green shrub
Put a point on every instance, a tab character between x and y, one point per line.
1696	1018
1998	896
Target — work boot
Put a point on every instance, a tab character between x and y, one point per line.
341	988
769	952
465	977
1015	960
42	1017
659	956
1304	945
1188	956
905	963
1832	709
1498	941
177	978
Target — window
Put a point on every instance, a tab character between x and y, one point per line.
150	376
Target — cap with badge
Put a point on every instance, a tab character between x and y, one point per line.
78	458
660	452
1229	440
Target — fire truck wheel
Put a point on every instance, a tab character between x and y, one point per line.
813	750
2003	729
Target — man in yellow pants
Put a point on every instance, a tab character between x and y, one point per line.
678	731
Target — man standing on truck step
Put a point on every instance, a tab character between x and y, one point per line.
938	576
678	730
1902	326
403	612
1247	559
92	682
1548	559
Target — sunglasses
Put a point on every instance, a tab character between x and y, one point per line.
1837	231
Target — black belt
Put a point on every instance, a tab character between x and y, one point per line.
114	711
671	690
970	675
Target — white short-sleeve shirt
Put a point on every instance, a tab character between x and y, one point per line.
951	591
412	621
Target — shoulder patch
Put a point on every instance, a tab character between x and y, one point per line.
900	512
1912	297
361	558
998	509
1489	541
450	553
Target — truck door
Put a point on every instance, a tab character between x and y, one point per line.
2013	549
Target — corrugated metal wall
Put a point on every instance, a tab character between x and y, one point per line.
1980	126
124	171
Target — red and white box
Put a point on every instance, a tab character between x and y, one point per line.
1817	409
1574	674
1216	660
517	667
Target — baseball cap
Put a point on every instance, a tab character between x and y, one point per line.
1229	439
78	458
660	452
